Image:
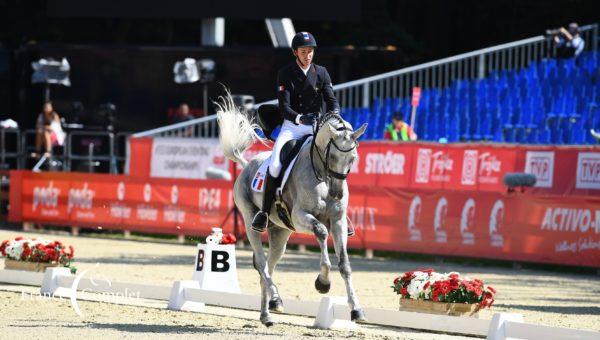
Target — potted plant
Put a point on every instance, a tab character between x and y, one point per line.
35	254
449	293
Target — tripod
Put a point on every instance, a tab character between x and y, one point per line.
233	211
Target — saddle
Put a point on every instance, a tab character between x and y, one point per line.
269	119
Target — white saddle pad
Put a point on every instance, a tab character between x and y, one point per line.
258	183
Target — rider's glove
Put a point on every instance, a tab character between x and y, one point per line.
306	119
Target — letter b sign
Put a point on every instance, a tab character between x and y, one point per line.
219	261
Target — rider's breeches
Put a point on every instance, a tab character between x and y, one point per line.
288	132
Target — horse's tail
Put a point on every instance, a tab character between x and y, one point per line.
237	130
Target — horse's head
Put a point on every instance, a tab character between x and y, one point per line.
336	143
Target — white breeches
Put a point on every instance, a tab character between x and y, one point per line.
288	132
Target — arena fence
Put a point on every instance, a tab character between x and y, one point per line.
398	84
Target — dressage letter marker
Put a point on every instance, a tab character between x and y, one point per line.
219	261
215	268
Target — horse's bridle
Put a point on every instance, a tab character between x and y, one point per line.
328	171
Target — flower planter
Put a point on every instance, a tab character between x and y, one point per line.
29	266
426	306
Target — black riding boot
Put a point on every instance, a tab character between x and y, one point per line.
261	219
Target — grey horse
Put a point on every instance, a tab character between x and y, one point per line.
316	195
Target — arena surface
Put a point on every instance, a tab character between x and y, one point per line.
543	297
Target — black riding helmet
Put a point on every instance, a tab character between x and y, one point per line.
303	39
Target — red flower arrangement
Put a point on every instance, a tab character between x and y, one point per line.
448	288
40	251
228	239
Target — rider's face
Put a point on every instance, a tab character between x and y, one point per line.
305	54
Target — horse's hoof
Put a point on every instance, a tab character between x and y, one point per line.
358	316
321	287
276	305
267	321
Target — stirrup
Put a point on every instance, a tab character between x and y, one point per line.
351	231
260	222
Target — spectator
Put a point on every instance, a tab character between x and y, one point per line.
569	43
398	130
49	132
182	115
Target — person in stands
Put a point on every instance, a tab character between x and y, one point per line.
398	130
182	115
569	42
49	132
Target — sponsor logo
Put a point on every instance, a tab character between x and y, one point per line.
414	213
385	163
571	220
81	199
469	168
120	210
423	166
147	192
174	194
588	170
146	213
46	197
496	219
441	164
466	221
172	213
540	164
209	199
484	168
362	218
441	210
121	191
489	168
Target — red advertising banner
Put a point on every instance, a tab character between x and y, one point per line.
521	227
189	207
559	170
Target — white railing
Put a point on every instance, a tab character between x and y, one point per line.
398	84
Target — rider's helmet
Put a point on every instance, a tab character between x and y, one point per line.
303	39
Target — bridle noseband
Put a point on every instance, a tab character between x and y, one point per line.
328	171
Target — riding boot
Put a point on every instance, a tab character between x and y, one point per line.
261	219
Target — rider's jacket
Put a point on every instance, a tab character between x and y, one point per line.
303	94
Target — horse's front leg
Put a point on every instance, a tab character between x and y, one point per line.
339	231
308	221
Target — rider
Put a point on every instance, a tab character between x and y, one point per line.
302	87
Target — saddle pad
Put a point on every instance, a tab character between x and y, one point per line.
258	183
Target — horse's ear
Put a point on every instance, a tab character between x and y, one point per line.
333	132
356	134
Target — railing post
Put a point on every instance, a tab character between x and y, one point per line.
90	157
113	156
595	39
365	92
481	68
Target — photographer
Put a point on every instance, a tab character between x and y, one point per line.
568	42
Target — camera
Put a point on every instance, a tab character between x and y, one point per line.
553	32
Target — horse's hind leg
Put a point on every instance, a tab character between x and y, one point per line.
278	238
268	289
340	237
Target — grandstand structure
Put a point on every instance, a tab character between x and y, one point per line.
517	92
